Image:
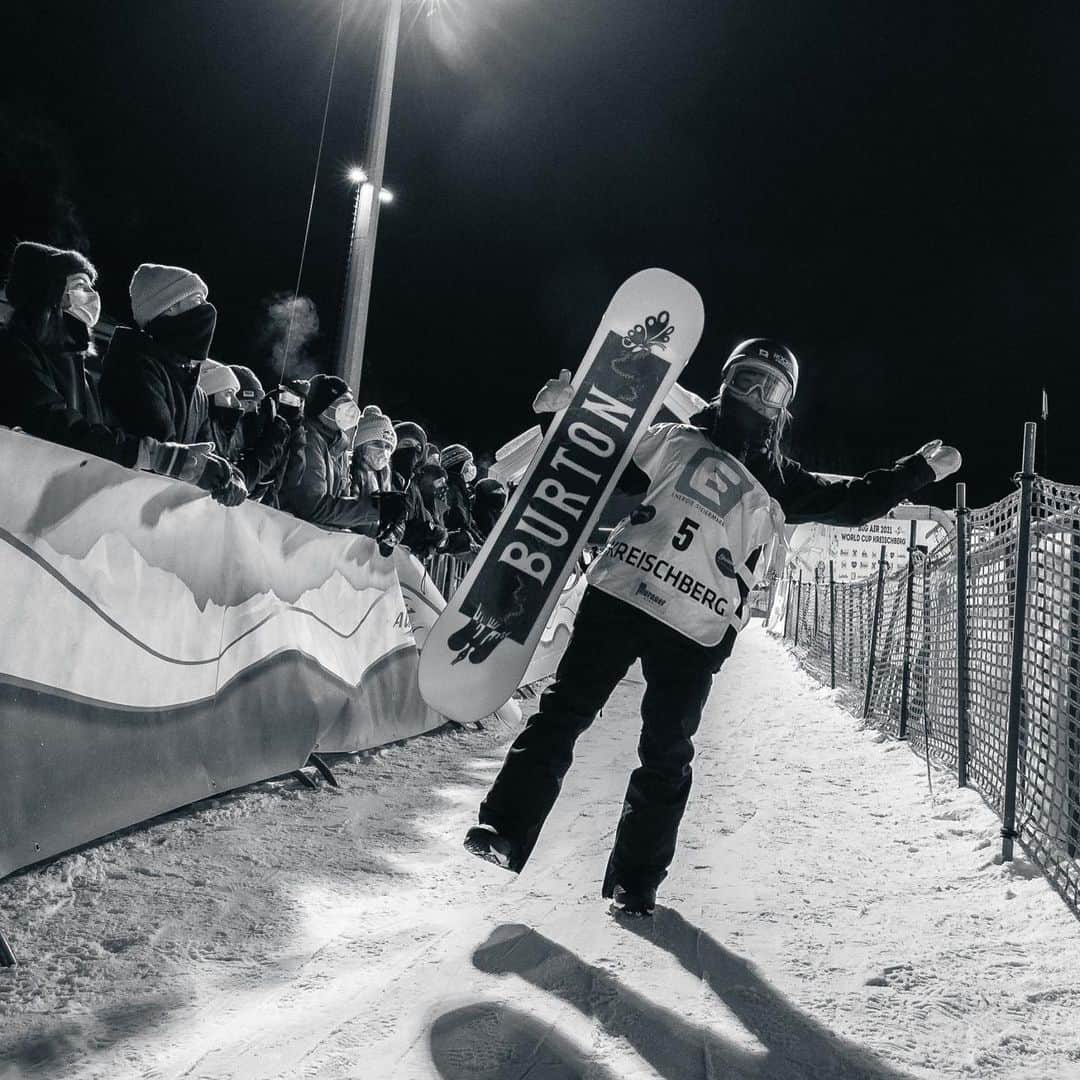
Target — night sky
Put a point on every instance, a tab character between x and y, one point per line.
891	188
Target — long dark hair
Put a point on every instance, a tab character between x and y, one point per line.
43	324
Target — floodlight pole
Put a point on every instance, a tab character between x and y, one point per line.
366	213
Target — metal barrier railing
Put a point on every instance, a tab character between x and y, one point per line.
972	654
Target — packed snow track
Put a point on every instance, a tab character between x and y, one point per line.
825	917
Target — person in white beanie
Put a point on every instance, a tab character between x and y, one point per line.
221	387
255	440
373	445
150	376
49	394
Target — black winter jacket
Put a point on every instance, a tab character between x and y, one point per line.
319	492
805	496
49	394
150	390
257	446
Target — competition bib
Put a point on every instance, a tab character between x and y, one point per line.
681	555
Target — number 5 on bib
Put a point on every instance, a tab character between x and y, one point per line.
479	648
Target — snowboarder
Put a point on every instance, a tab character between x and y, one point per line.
670	589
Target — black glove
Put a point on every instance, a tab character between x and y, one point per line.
223	480
458	543
392	509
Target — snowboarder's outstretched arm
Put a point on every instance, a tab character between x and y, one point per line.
806	496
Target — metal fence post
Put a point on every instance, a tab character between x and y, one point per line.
961	636
817	621
1072	712
1016	683
798	607
873	632
905	676
832	627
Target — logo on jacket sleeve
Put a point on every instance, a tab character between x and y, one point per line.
725	564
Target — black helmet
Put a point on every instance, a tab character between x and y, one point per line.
763	368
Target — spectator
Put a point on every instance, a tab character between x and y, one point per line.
460	468
488	502
375	442
266	438
149	383
423	536
220	385
431	480
43	350
319	493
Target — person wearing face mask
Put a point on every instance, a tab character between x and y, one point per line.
488	502
221	387
373	446
262	440
150	377
423	534
671	590
320	491
43	352
460	468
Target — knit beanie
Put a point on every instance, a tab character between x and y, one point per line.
455	454
215	377
374	424
155	288
408	430
250	387
38	274
324	390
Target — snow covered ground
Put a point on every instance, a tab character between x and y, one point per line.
824	918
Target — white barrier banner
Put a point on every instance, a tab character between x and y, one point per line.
160	648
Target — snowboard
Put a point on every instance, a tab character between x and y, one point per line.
480	646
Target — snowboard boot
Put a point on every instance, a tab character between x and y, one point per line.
485	843
635	903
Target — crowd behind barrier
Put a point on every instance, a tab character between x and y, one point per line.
929	654
157	402
162	649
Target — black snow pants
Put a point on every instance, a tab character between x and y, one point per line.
608	637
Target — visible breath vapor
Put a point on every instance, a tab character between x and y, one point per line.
290	351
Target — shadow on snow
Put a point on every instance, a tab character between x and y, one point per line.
493	1041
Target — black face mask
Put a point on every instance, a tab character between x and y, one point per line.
404	460
188	333
738	429
226	416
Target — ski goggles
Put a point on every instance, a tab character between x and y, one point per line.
748	379
344	413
